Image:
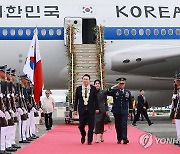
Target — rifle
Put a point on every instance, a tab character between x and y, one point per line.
3	122
175	101
12	101
24	116
7	103
36	114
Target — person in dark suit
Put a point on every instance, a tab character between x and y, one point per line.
86	102
142	107
122	104
103	111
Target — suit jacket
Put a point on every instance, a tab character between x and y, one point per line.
142	103
102	101
122	100
92	102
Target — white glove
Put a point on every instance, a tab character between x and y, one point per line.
174	96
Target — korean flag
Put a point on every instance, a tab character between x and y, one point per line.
87	9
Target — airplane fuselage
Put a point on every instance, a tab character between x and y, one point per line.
142	38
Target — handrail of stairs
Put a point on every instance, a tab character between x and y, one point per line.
100	59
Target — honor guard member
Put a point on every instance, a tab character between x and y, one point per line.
10	138
22	114
122	103
9	113
28	105
175	112
3	120
33	110
12	91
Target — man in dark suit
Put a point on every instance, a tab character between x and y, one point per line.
142	107
122	103
86	102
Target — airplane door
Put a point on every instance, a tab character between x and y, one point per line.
77	23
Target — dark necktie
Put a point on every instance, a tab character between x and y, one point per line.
85	92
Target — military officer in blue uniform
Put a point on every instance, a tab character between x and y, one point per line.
122	103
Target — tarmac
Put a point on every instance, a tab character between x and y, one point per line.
162	127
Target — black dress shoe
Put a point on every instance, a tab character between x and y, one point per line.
125	141
118	142
24	141
134	124
89	143
32	138
16	146
150	123
82	140
177	143
2	151
36	135
29	139
11	149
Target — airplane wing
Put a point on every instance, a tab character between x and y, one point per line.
160	61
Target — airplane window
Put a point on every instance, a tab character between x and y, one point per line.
20	55
20	61
51	32
58	32
119	32
170	32
5	32
20	32
138	59
177	31
148	32
126	61
12	32
133	32
163	32
43	32
28	32
126	32
141	32
156	32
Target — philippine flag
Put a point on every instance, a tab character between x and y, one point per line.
33	67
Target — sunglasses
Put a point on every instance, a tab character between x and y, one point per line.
47	93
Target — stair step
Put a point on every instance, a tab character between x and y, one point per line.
79	57
87	62
90	73
86	71
87	53
85	46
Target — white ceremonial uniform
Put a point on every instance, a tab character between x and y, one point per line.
22	125
10	131
14	130
3	132
32	123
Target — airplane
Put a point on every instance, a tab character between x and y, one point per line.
142	40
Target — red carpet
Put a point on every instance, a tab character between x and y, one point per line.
65	139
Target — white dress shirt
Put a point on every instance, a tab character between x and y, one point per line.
48	104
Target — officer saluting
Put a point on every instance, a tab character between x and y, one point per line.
122	103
